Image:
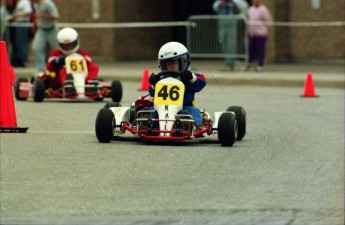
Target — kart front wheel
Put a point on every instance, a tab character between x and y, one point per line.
16	88
227	129
241	120
39	90
105	125
116	91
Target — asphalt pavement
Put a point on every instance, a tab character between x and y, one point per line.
288	169
53	174
324	74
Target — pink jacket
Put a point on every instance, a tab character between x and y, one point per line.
258	18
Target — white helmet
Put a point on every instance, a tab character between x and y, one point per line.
174	51
68	40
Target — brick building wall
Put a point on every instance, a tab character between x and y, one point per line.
300	43
98	41
318	42
141	42
284	43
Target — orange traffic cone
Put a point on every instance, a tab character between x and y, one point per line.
8	120
309	90
145	80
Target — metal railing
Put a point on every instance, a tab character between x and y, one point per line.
217	36
208	36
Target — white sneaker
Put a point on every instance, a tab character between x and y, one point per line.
186	126
144	125
247	67
258	68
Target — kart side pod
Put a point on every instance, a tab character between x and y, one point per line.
122	114
216	119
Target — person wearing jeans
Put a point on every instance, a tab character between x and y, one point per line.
227	28
21	14
45	18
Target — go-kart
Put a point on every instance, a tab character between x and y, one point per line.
114	120
75	88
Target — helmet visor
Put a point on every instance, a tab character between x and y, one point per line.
170	64
180	63
68	46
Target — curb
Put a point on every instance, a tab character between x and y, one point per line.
284	78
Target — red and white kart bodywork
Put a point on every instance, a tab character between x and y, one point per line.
113	120
78	89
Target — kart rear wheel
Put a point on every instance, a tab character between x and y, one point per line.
227	129
116	91
105	125
39	89
16	88
241	120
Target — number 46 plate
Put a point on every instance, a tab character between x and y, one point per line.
169	93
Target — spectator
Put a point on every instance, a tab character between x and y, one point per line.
45	18
21	14
241	27
7	33
242	6
259	18
227	28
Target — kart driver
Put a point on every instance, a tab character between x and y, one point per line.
175	56
56	73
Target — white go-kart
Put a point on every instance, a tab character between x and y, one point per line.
113	120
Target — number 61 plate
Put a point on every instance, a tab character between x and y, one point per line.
76	64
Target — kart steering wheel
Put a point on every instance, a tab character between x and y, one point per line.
169	73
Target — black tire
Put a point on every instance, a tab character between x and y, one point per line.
16	88
227	129
112	104
116	91
241	118
105	124
39	90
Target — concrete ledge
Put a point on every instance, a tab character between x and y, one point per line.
326	75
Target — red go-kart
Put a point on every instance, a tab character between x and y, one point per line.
74	88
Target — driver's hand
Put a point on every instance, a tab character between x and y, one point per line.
60	61
186	77
153	79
